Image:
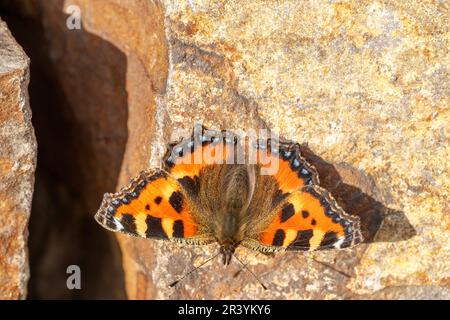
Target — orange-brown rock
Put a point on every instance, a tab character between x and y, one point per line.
362	83
17	166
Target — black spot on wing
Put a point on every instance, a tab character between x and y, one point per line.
329	239
176	201
305	214
287	212
291	152
157	200
169	161
192	185
154	228
111	224
301	242
278	239
178	229
129	224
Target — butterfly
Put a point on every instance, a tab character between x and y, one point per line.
205	193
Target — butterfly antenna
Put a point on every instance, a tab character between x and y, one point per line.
331	267
173	284
244	266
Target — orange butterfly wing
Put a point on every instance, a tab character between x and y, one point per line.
310	219
152	206
184	160
155	204
284	162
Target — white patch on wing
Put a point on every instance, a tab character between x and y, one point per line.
119	225
339	243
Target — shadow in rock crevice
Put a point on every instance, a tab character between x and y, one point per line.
80	109
355	192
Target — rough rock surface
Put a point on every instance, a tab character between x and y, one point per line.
363	83
17	166
124	27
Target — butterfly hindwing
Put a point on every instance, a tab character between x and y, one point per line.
310	219
154	205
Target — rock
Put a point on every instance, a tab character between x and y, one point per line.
79	99
135	55
363	84
17	166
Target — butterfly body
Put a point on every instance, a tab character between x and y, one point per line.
204	194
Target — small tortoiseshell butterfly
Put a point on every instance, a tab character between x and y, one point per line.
195	201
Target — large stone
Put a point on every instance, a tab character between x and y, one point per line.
135	29
364	84
17	166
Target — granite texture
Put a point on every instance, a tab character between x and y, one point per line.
17	165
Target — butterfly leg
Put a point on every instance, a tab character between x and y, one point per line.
255	245
195	241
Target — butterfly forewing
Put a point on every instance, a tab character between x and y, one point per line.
154	205
291	170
